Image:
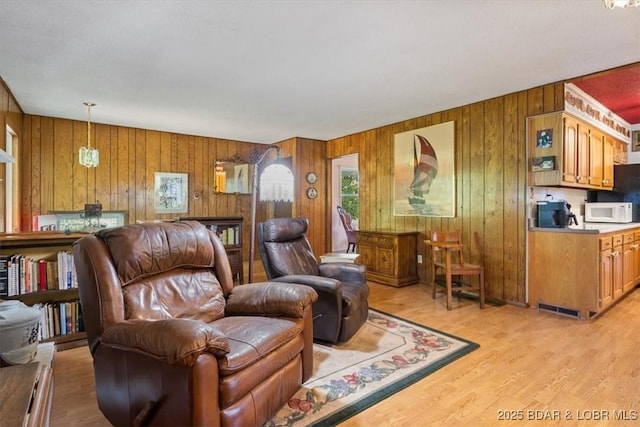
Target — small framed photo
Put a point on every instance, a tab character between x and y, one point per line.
544	138
170	192
547	163
635	140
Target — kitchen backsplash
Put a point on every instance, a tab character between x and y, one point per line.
576	198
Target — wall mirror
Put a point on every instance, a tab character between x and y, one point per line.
232	176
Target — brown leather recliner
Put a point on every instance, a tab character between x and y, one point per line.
342	306
174	343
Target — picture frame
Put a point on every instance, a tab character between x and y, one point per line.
635	140
424	172
544	138
170	192
546	163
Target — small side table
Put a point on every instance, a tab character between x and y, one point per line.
349	258
27	390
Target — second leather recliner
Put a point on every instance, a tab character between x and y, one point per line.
287	256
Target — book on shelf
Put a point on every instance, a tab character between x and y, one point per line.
60	318
20	274
4	275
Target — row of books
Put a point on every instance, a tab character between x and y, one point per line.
228	235
20	274
59	318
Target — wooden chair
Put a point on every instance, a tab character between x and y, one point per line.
447	259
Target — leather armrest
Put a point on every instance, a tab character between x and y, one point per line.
269	298
345	272
177	341
319	283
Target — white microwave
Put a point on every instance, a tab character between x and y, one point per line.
620	212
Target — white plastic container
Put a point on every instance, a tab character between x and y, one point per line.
18	332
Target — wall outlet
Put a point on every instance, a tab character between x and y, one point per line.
419	259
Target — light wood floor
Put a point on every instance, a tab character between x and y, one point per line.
528	361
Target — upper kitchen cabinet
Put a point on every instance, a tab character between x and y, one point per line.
565	151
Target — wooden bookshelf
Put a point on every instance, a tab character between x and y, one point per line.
43	245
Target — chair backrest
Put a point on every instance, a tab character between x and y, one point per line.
151	271
345	219
285	249
448	237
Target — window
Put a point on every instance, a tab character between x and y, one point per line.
349	192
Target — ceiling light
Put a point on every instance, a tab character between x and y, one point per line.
612	4
89	157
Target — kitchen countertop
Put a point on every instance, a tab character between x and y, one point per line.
591	228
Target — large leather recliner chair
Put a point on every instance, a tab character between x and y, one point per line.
174	343
342	306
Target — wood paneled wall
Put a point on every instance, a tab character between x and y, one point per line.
310	155
52	179
491	171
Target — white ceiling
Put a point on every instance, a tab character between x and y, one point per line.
264	71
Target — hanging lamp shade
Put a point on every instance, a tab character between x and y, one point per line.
89	156
276	184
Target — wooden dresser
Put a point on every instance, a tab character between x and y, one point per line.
390	256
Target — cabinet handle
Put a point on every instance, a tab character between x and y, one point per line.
615	254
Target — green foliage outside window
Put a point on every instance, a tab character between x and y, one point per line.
349	187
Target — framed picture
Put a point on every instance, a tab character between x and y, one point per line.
547	163
170	192
544	138
424	172
635	140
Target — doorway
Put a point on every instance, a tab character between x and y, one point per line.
344	192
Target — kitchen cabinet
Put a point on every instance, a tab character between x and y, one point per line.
628	261
390	257
621	150
566	151
598	269
608	156
596	157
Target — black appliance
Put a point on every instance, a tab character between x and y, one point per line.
555	214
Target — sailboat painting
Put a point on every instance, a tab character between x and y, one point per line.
424	179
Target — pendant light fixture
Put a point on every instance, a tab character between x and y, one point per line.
89	157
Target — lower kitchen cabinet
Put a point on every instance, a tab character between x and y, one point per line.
580	274
390	257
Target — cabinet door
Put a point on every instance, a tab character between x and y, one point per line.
617	271
628	266
636	259
570	151
367	253
596	141
385	260
608	155
582	157
606	278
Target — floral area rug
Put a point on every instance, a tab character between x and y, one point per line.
386	355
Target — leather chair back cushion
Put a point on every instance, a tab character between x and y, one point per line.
182	293
287	247
294	257
163	273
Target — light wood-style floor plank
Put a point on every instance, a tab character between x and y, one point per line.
530	365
